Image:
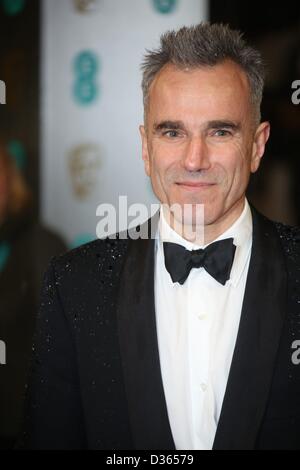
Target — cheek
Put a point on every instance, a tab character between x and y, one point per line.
162	162
241	178
163	168
234	167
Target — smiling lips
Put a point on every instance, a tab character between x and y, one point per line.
192	186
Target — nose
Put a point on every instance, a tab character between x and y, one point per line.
196	155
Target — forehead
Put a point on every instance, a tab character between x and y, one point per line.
206	91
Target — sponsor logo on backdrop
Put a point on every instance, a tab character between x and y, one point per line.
165	6
13	7
86	86
84	164
2	92
86	6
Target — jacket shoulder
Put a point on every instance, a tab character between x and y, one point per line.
99	255
290	240
289	237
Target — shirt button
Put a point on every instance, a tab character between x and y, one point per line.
203	387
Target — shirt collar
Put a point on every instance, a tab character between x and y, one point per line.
241	232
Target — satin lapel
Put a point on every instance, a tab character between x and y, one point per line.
139	349
257	343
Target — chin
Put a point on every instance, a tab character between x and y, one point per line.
188	212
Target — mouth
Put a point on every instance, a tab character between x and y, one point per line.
192	186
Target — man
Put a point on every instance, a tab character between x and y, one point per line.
26	247
179	342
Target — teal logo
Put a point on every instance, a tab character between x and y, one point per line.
17	151
165	6
86	68
82	240
4	255
13	7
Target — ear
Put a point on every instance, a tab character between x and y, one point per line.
261	137
145	152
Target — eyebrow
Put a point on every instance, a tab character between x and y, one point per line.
216	124
173	125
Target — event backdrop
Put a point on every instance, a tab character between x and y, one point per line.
92	104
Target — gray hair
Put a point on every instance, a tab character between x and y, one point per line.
206	45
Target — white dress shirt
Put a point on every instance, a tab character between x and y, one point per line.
197	325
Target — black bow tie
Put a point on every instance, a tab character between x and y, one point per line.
216	259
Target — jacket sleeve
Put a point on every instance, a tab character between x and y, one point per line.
53	411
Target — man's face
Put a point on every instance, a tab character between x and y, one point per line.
200	143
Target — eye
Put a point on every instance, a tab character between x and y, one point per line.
171	133
222	133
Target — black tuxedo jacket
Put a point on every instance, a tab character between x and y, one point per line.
96	381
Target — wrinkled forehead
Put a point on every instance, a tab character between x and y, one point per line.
225	84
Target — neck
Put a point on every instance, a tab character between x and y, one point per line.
204	234
213	231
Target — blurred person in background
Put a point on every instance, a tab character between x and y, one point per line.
25	250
